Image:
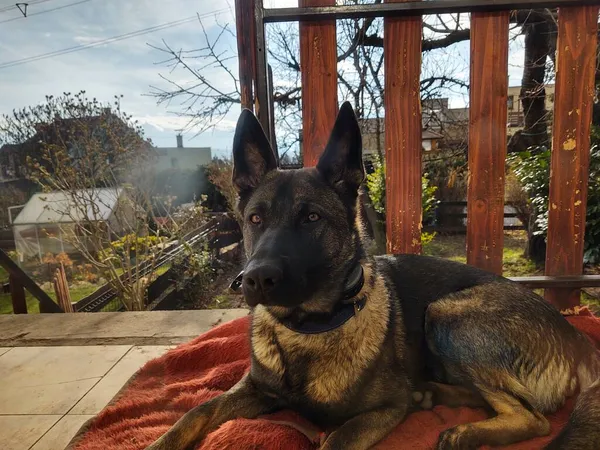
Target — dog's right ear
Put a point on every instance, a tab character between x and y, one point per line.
253	157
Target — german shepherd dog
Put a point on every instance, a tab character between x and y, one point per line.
354	343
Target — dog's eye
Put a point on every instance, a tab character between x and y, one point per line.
255	219
313	217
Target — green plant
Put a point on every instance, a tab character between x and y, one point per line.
532	168
376	187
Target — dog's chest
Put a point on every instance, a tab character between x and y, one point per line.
323	368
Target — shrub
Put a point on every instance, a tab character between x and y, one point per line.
376	188
532	168
52	262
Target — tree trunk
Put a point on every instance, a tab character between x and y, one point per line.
538	37
540	42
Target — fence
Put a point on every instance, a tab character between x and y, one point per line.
451	217
221	231
575	90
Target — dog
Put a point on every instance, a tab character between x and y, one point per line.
354	343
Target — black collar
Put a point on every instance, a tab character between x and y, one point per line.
349	306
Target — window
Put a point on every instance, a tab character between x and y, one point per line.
174	163
511	101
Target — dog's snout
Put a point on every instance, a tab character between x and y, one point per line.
262	279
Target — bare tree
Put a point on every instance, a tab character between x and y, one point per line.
211	88
95	165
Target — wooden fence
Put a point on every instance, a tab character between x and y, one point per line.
221	231
575	90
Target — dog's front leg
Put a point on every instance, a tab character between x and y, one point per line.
244	400
364	431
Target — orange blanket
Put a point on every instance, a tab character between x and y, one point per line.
165	388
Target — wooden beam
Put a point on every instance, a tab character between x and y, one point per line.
574	96
261	83
574	282
487	140
413	8
318	60
17	295
402	59
244	14
47	305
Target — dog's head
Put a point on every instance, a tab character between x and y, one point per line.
300	234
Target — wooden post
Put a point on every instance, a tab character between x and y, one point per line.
47	305
17	295
574	96
318	60
61	289
487	140
403	147
244	13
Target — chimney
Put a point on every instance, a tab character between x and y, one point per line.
179	141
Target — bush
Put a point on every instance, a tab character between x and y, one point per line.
52	262
219	173
532	168
130	246
376	187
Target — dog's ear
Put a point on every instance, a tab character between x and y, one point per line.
341	163
253	156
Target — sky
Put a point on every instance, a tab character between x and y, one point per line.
128	67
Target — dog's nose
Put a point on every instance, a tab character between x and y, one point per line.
262	278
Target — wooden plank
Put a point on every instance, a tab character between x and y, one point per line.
574	96
17	295
270	96
403	147
487	140
318	60
261	85
414	8
244	14
46	303
573	282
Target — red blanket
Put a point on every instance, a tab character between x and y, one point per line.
165	388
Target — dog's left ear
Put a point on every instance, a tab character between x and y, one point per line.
341	163
253	156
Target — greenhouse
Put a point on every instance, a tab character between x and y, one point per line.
49	221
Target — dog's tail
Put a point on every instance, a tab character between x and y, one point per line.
582	432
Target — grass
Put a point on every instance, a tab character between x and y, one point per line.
77	293
514	263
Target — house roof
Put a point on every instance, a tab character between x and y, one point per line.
69	207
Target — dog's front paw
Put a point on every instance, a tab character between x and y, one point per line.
456	438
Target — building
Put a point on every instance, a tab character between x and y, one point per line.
516	115
181	157
43	223
445	128
430	137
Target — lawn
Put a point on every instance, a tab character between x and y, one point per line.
515	264
77	293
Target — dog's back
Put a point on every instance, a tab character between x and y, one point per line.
471	328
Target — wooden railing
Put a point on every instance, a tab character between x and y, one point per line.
19	281
576	51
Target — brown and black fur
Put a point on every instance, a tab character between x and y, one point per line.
431	331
